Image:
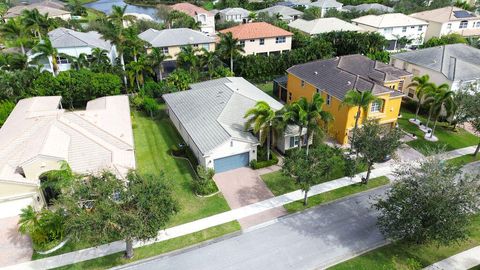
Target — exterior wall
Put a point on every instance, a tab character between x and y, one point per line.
174	50
232	17
231	148
434	30
207	23
411	32
12	189
36	167
253	46
344	117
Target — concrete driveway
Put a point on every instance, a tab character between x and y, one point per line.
14	247
243	186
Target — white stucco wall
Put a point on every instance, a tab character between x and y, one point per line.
253	46
394	33
207	23
232	17
230	148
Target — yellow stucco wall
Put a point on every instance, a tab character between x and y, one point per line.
8	189
344	117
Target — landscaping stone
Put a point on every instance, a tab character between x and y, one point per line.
430	138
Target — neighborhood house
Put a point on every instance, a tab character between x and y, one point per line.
53	9
210	119
238	15
204	17
323	25
39	136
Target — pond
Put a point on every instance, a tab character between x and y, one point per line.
106	7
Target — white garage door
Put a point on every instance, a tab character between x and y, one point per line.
12	207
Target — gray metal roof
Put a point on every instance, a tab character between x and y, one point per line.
67	38
454	61
338	75
326	4
368	7
282	10
212	111
235	11
175	37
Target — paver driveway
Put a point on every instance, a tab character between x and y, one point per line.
14	247
243	186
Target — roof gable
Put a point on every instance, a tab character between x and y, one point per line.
174	37
256	30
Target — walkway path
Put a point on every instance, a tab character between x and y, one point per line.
463	260
208	222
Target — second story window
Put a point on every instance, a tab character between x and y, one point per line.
242	43
463	24
477	24
376	106
165	50
404	29
388	30
329	100
252	40
449	26
303	83
262	41
420	28
280	40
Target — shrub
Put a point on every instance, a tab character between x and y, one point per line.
44	228
255	164
6	107
204	184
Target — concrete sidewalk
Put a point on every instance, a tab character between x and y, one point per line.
208	222
463	260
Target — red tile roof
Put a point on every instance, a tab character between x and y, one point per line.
189	9
256	30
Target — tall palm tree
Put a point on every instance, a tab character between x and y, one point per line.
209	60
114	33
433	89
441	102
361	100
156	58
188	58
118	15
252	16
133	42
44	49
100	56
78	62
35	21
229	47
14	32
316	115
135	70
261	119
296	114
422	85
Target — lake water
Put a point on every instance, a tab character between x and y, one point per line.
106	7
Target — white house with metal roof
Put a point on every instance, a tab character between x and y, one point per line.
394	26
74	43
210	119
457	65
39	136
287	14
172	40
239	15
323	25
326	5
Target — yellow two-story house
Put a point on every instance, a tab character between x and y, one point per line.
333	78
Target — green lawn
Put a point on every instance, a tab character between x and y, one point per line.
266	87
448	139
157	248
153	138
409	256
280	184
462	160
336	194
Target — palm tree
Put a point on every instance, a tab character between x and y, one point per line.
188	59
100	56
209	60
361	100
133	42
156	58
44	49
29	220
14	32
252	16
135	71
441	103
422	85
295	113
114	33
78	62
32	19
229	47
261	119
432	90
118	15
316	115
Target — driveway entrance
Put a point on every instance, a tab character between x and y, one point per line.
243	186
15	248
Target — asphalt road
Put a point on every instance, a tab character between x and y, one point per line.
311	239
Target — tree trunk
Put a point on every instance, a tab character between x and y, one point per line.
23	48
367	177
418	109
308	142
476	150
231	63
129	248
160	69
305	197
429	116
268	144
434	126
357	117
300	138
122	62
136	80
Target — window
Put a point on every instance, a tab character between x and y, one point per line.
294	141
449	26
195	45
420	28
289	96
376	106
388	30
477	24
252	40
262	41
280	40
165	50
463	24
329	99
404	29
206	46
62	60
242	43
303	83
318	90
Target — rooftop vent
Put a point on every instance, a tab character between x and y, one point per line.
316	72
349	83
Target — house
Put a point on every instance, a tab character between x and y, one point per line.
261	38
323	25
295	3
238	15
172	40
54	9
448	20
395	26
210	119
333	78
369	7
74	43
326	5
204	17
39	136
287	14
458	65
